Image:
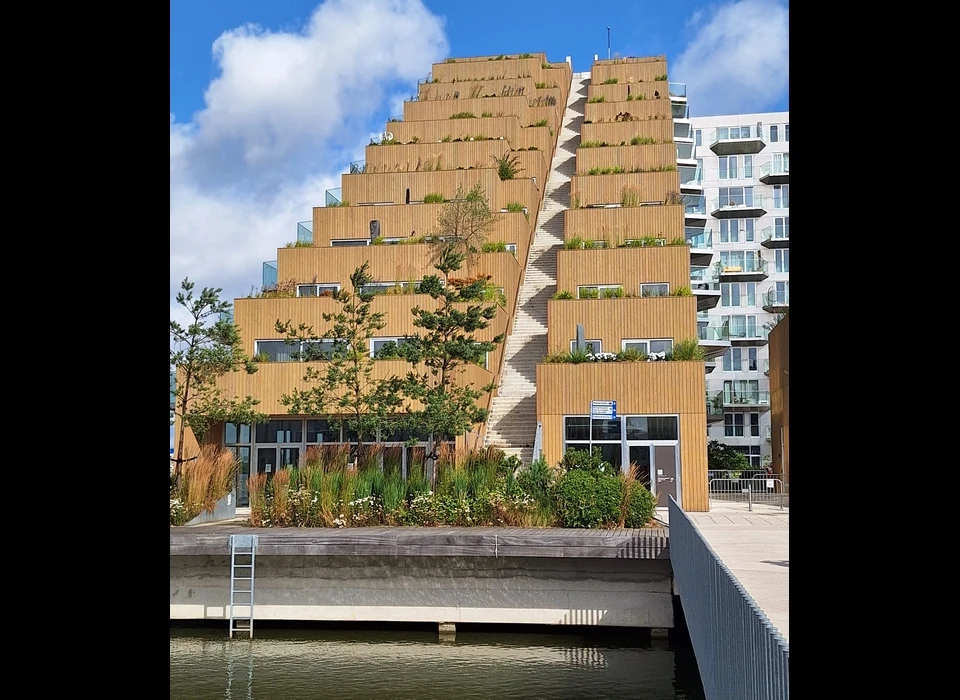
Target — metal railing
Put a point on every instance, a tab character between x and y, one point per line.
538	442
740	654
750	487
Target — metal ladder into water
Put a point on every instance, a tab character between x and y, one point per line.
242	549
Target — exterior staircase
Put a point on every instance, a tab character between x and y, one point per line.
512	424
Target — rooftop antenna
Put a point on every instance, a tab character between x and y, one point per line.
608	43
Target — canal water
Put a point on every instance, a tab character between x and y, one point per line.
310	664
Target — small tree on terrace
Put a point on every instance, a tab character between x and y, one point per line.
462	228
200	354
344	385
724	458
440	352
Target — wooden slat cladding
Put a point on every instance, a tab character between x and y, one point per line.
257	318
436	130
609	189
395	263
628	267
521	190
780	396
624	223
612	321
620	133
628	72
472	89
551	114
538	137
393	187
274	379
618	92
445	109
488	70
640	110
639	388
424	157
626	157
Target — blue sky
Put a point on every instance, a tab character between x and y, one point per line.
271	99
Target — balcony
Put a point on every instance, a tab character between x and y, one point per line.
745	398
749	335
775	173
305	232
334	197
709	366
686	152
746	268
358	167
735	141
738	206
682	129
705	287
776	301
700	241
714	407
715	340
678	92
680	110
766	368
775	237
269	275
691	179
694	209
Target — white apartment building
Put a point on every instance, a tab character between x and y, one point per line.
745	164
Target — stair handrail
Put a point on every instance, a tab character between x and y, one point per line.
538	442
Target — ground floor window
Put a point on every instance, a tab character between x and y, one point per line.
751	451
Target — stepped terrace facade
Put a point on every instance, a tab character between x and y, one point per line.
469	115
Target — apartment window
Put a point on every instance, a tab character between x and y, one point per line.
652	428
591	346
733	132
322	431
738	294
698	137
733	424
736	196
786	132
348	242
511	248
781	163
781	196
741	391
783	260
236	434
390	288
782	291
647	347
600	291
317	290
774	133
280	431
747	167
752	453
741	326
728	168
781	227
385	347
740	360
660	289
729	231
276	350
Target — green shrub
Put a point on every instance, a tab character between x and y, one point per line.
508	166
683	291
589	499
542	122
640	505
582	460
434	198
494	247
609	81
594	100
687	350
563	295
463	115
631	355
593	144
642	141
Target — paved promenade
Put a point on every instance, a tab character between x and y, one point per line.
756	548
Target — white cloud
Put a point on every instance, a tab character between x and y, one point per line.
738	60
286	113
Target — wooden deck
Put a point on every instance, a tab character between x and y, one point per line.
646	543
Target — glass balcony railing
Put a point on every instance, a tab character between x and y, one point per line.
680	110
682	130
269	274
305	232
738	201
775	168
745	397
748	333
334	197
715	404
775	233
227	316
686	150
677	89
358	167
775	297
703	278
699	237
713	332
690	175
694	204
741	265
733	133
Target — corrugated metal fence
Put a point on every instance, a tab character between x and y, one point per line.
740	654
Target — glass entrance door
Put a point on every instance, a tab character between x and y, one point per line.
640	457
